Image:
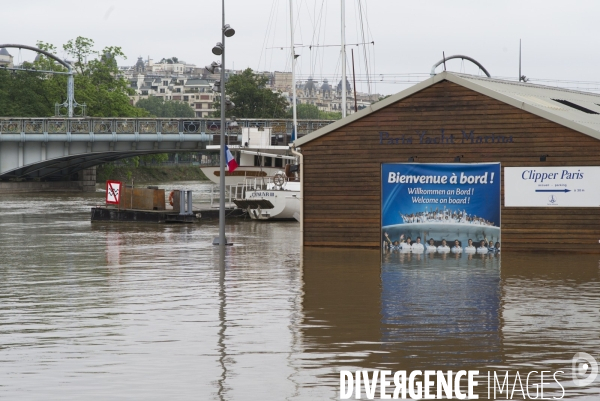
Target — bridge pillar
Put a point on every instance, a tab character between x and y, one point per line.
87	178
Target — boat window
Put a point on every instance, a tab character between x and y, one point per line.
278	162
268	161
256	160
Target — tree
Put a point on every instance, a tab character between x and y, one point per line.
307	111
252	98
158	107
80	49
172	60
155	158
312	112
330	115
97	83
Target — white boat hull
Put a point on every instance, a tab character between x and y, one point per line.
285	203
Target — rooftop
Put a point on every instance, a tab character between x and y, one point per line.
577	110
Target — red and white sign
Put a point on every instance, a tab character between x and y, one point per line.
113	192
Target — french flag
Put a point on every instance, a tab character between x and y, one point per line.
231	163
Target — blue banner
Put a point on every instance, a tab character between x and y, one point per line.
441	202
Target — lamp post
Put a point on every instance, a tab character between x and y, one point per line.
219	50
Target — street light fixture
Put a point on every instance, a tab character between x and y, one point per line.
212	67
228	31
219	50
216	86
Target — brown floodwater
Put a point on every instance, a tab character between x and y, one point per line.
148	312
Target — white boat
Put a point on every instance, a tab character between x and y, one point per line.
272	199
260	154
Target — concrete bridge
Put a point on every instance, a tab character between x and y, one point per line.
59	149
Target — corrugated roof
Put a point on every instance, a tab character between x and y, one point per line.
195	81
579	111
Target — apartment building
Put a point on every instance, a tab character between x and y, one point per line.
184	82
6	60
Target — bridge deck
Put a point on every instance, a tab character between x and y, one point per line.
57	148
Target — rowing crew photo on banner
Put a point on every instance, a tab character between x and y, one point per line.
407	245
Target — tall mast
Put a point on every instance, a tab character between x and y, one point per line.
295	121
520	60
343	60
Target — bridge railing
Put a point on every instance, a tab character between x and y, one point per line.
281	128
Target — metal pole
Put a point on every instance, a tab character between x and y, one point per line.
295	119
222	239
354	82
343	60
70	92
519	60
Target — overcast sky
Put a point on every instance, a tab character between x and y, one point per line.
560	38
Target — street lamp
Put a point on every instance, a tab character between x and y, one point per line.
212	67
228	31
219	50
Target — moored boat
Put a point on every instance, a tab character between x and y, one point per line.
276	198
260	154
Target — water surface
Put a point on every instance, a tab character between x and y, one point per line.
141	311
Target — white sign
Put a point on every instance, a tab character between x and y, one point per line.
113	192
561	186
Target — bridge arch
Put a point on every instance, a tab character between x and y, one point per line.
70	103
37	50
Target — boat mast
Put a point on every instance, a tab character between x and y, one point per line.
343	60
295	120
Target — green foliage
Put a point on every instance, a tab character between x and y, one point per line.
252	97
104	172
172	60
80	49
151	159
312	112
306	111
158	107
97	84
24	94
330	115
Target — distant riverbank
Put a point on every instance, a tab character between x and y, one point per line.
178	172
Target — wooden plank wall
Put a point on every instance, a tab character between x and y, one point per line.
342	183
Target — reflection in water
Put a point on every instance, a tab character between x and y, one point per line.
142	311
222	322
453	306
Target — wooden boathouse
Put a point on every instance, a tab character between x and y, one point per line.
452	118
